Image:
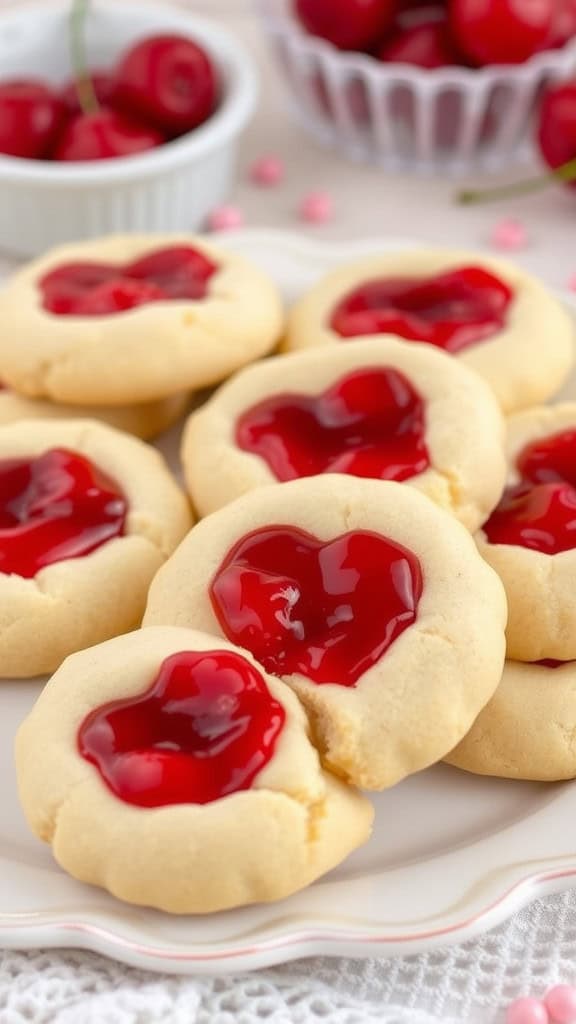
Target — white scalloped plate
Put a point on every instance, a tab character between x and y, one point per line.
452	855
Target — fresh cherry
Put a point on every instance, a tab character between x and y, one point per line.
419	11
420	5
557	125
103	135
103	84
348	24
169	81
30	116
427	44
556	138
501	31
564	25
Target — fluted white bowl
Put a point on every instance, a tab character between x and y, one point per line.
445	120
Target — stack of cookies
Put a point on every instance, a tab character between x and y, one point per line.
528	729
115	330
369	522
69	353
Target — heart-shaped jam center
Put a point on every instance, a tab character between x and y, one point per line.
56	506
452	310
540	517
550	460
326	610
370	423
100	289
204	729
539	512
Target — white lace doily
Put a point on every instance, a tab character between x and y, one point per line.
468	984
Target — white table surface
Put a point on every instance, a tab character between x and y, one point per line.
461	985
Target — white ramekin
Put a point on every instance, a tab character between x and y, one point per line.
173	187
448	120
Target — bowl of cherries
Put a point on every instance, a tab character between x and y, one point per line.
430	85
114	118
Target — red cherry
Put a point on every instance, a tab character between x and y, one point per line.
103	83
557	125
428	45
414	12
564	25
348	24
104	135
30	115
169	81
501	31
410	5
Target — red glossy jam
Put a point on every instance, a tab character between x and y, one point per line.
550	460
551	663
54	507
452	310
540	517
370	424
328	611
539	512
204	729
99	289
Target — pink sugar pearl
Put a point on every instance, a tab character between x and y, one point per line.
317	207
268	170
509	234
572	282
527	1011
561	1004
226	218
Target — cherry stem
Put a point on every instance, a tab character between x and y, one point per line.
84	85
566	172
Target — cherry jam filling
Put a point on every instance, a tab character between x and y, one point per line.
539	512
452	310
541	517
550	460
204	729
56	506
100	289
370	423
326	610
